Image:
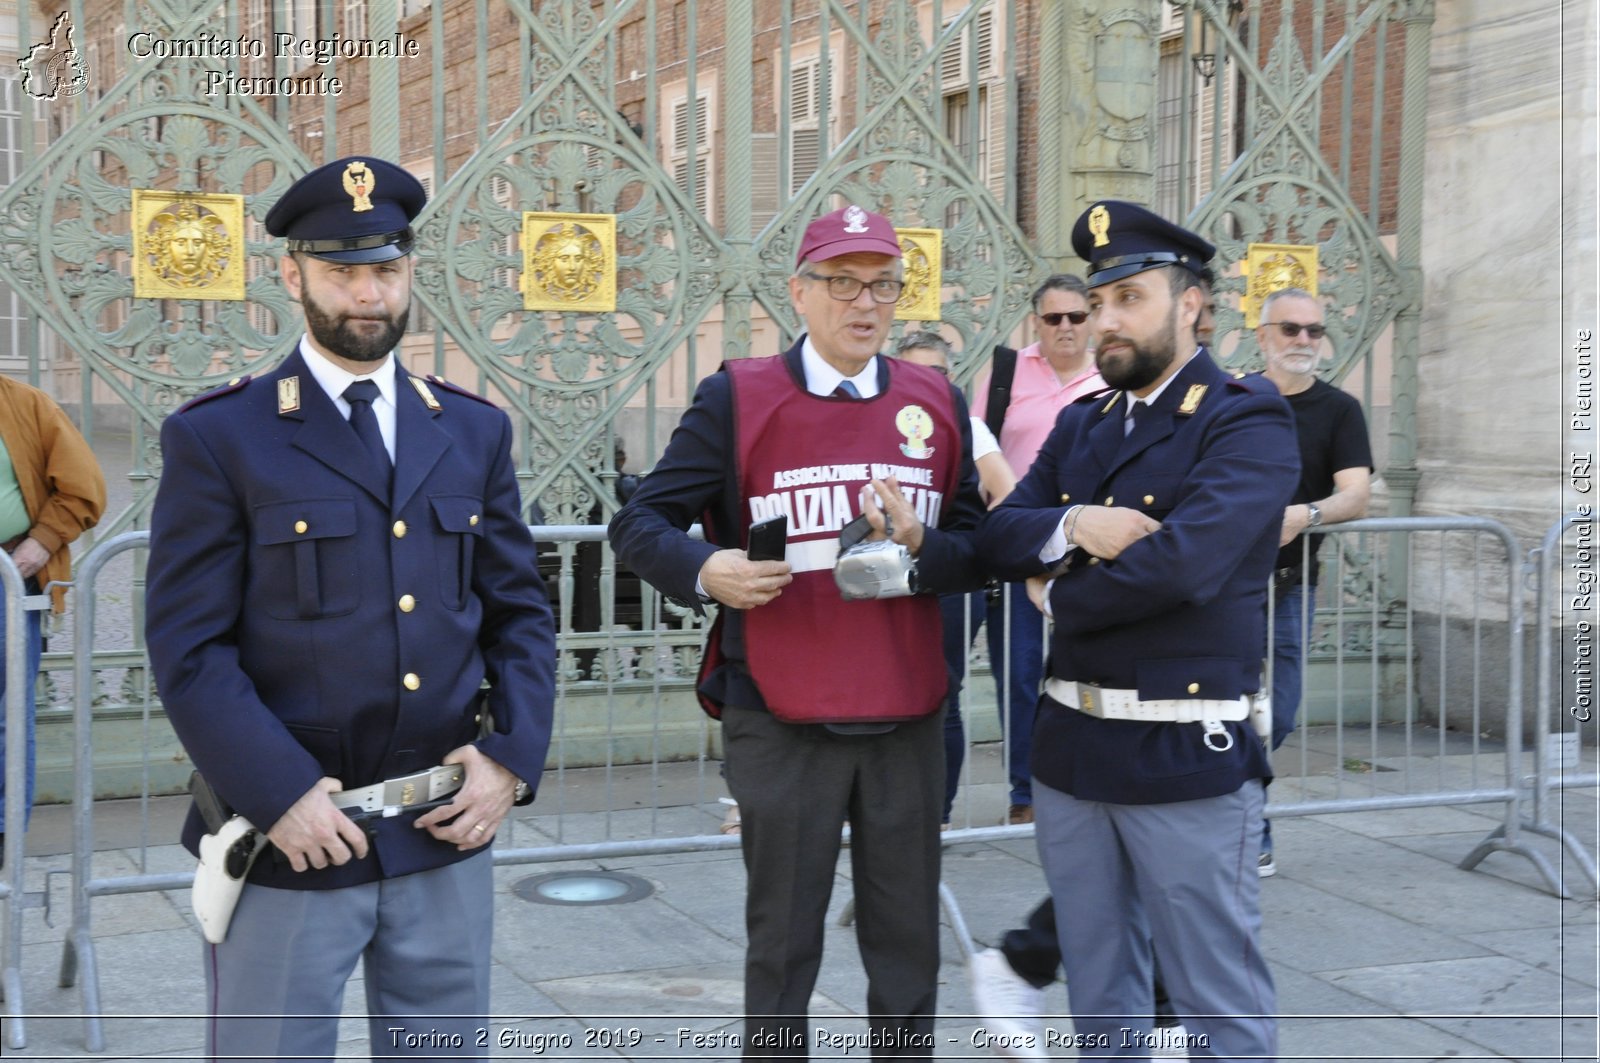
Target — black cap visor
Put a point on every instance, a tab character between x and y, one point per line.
358	250
1114	269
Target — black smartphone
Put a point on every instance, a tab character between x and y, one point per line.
768	539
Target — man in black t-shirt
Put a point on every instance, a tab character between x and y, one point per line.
1335	485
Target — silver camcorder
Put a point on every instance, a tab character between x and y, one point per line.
879	569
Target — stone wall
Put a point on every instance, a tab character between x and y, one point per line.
1508	259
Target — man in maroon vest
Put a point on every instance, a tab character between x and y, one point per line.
830	708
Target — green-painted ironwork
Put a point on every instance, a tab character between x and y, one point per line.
554	105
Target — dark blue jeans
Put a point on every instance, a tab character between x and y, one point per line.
1291	625
1018	677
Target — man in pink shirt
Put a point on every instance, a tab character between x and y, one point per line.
1047	376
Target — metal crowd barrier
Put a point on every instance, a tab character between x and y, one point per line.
1384	748
14	897
1556	762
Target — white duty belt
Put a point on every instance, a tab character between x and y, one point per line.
1107	704
393	796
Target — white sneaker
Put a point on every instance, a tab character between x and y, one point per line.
1009	1003
1172	1042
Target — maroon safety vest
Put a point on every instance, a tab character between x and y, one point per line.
815	657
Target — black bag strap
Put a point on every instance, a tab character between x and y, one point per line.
1000	378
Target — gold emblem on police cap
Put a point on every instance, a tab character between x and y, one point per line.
422	391
914	423
1100	224
1191	399
289	394
359	182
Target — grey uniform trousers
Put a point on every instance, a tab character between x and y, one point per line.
1182	878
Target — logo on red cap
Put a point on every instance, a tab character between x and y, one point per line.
855	219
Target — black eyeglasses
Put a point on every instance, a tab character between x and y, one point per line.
1291	329
1077	317
847	289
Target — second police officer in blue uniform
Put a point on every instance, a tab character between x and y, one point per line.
1155	507
338	562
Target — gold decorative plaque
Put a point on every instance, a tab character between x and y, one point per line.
923	253
1272	267
569	261
187	245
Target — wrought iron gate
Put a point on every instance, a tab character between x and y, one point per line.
712	131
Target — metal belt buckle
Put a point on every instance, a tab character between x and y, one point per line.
423	786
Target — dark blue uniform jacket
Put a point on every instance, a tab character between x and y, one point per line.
1180	613
289	600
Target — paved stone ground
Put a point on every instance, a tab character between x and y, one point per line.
1381	947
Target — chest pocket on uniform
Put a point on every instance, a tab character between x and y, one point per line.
1154	494
460	519
310	567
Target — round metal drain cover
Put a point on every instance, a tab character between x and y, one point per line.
583	887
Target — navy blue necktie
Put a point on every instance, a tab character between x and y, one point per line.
360	395
1135	412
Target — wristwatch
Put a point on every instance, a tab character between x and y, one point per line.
521	793
1313	515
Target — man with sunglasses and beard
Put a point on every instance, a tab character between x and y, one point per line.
338	565
1148	526
1335	485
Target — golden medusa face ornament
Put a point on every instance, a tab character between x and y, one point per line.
569	263
922	252
188	249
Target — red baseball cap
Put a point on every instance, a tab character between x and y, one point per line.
851	231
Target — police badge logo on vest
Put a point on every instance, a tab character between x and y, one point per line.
916	425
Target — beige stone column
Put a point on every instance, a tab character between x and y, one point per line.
1097	111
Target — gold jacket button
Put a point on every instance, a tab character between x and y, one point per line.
300	527
407	603
1108	500
1065	497
1194	688
1149	500
473	520
411	681
1094	561
399	529
235	381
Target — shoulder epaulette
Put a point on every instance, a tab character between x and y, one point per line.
236	384
1092	396
1253	383
441	382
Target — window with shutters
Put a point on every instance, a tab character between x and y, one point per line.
255	267
955	63
355	19
13	357
507	272
691	150
764	199
421	320
256	28
805	117
968	129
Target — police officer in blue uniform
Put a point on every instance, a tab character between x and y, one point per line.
1148	526
338	564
